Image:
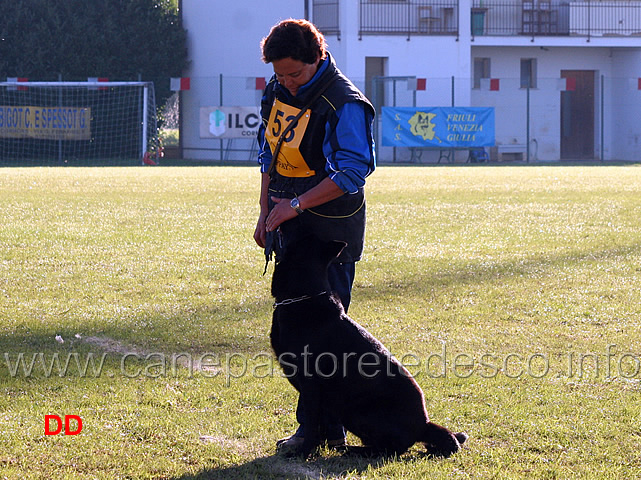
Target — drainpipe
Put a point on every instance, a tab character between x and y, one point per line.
602	117
589	19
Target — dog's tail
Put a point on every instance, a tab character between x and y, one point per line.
440	442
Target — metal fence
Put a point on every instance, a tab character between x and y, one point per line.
426	17
556	18
212	92
584	117
326	17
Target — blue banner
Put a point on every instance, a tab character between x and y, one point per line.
440	127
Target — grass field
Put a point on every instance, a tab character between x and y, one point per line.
511	293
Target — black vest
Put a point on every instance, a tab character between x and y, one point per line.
340	219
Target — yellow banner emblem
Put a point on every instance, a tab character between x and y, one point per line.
290	162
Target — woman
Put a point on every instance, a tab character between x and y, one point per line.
320	126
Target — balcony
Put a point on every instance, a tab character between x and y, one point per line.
561	18
590	18
326	18
399	17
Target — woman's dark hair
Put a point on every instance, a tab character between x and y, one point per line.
296	39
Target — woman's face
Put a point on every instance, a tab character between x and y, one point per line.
293	74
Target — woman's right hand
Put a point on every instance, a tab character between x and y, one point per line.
261	231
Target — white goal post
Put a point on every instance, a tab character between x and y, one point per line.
81	123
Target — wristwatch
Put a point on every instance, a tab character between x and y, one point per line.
295	204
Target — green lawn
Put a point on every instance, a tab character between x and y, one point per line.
512	294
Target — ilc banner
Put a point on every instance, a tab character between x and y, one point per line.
229	122
440	127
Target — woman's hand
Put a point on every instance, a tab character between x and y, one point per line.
260	236
322	193
260	232
281	212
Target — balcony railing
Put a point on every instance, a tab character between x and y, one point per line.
422	17
325	16
560	17
501	17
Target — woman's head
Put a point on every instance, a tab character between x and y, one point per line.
295	39
294	48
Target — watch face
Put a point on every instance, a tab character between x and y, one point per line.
295	204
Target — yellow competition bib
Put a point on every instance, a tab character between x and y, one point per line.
290	162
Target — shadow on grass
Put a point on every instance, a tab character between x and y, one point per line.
279	467
477	273
245	328
228	332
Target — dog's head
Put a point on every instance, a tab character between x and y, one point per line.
302	269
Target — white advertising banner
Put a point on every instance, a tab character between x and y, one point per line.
229	122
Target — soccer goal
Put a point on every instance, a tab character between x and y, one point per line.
79	123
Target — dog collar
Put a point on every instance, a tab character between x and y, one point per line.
297	299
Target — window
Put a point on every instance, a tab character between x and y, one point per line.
481	70
325	16
528	72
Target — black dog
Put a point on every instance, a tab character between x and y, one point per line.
337	366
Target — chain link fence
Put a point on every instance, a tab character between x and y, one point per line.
580	116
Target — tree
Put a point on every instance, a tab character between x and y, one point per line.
75	39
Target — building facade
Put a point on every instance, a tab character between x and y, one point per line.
562	76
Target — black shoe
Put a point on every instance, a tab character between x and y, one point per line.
289	443
296	440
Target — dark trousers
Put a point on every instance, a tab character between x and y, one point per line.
341	279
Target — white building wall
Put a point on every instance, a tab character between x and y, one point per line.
224	50
224	35
510	101
434	57
224	42
619	66
624	95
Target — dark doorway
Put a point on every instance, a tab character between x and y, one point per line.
375	91
577	115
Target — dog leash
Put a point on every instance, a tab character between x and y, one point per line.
289	301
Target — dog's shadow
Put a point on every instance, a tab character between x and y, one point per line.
280	467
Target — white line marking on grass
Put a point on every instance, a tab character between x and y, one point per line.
112	346
184	360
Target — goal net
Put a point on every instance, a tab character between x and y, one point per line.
79	123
